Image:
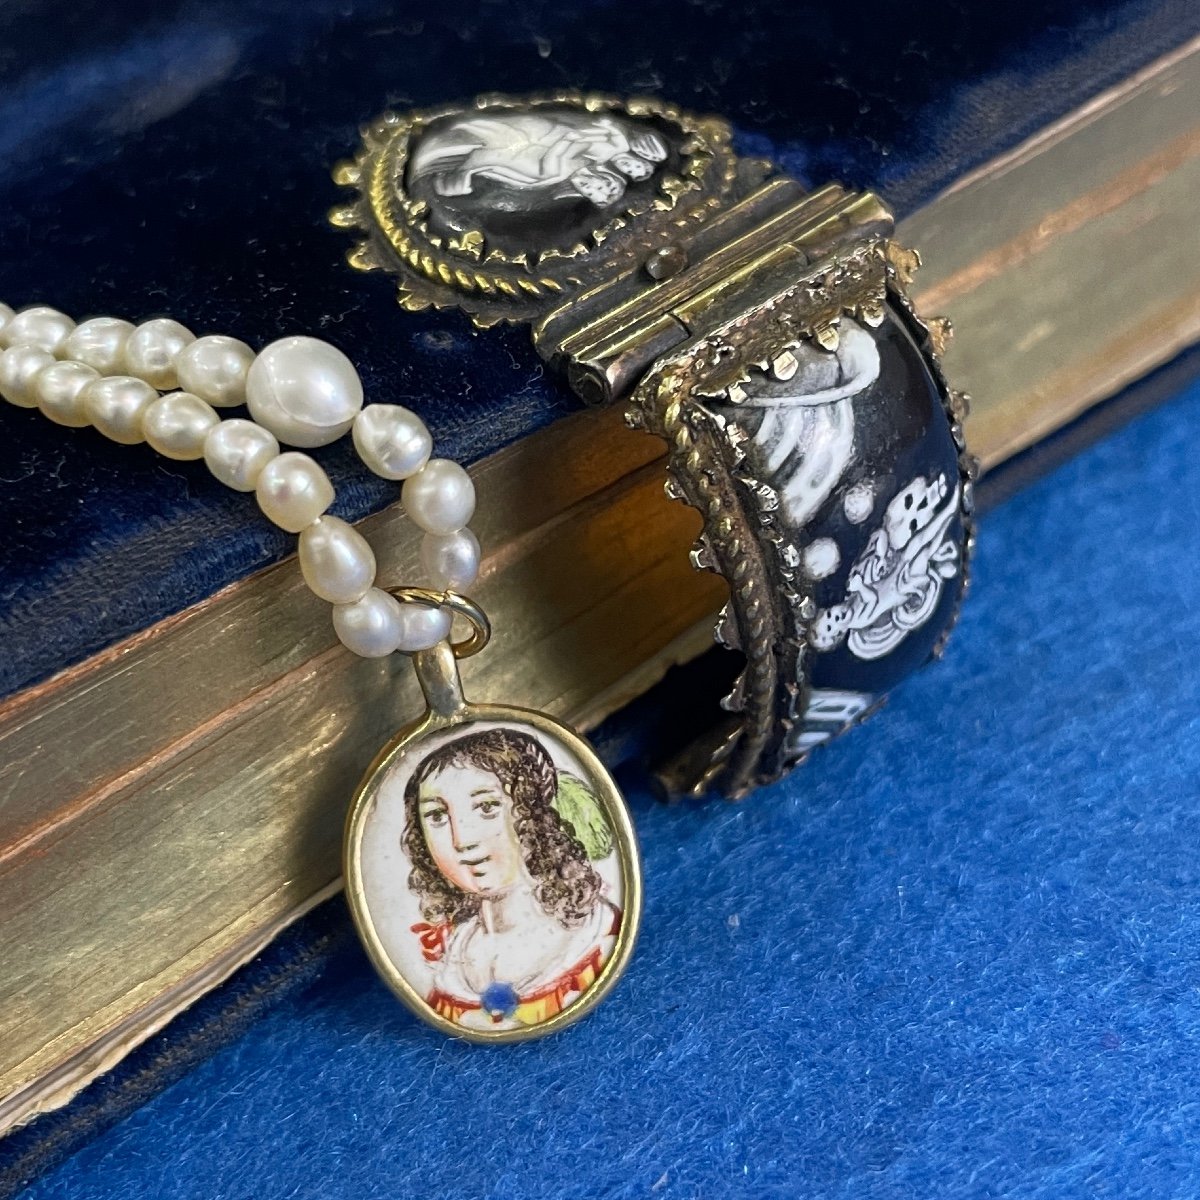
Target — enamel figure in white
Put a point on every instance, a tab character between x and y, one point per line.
556	155
800	429
895	584
492	877
804	437
829	712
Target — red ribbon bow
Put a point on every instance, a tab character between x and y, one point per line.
433	940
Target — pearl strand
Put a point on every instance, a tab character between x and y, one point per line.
109	374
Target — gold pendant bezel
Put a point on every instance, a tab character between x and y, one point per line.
625	845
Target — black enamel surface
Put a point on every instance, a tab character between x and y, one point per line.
852	464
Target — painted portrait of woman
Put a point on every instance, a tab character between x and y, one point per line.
501	846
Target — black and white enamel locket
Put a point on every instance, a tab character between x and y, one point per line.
762	329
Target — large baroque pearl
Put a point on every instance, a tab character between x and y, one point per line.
59	390
391	440
440	497
45	328
336	560
214	368
293	491
116	405
151	351
177	425
19	368
305	391
99	343
236	451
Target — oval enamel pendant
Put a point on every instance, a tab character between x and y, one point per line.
491	867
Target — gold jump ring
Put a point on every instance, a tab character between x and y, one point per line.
462	606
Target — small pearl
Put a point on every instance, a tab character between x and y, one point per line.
293	491
306	392
19	368
6	314
440	497
45	328
422	627
99	343
336	561
152	349
370	626
116	405
59	388
451	560
178	423
214	368
391	441
236	452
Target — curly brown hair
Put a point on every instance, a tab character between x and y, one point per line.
566	884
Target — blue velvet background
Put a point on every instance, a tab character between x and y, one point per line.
174	158
956	955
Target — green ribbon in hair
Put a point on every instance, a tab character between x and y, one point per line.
577	804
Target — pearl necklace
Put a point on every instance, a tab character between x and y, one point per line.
108	373
479	798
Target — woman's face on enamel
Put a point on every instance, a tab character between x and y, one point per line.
467	819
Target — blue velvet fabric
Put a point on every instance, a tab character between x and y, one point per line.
174	159
956	955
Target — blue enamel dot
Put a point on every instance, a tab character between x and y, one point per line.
500	999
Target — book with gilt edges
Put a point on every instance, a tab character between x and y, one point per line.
179	729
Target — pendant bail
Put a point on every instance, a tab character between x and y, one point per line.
437	673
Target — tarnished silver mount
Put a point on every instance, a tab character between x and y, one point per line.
701	281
